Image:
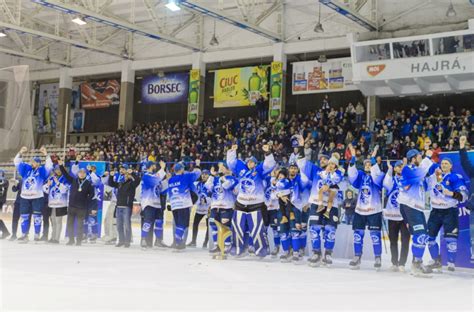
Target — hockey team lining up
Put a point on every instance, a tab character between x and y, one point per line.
249	197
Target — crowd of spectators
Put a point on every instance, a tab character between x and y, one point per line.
326	131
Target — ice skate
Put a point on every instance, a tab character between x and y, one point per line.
23	239
355	263
275	251
327	260
159	243
92	239
12	238
451	267
315	260
214	250
143	244
179	248
285	257
70	242
419	270
436	266
191	244
394	268
378	264
402	269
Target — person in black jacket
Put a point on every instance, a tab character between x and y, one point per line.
16	208
125	196
468	168
3	199
80	196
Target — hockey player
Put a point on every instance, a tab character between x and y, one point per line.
447	190
298	199
180	186
34	175
221	184
369	207
110	225
273	211
282	192
57	188
250	200
150	201
412	204
202	208
391	212
327	179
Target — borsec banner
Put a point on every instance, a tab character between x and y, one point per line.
48	107
240	86
315	77
171	88
100	94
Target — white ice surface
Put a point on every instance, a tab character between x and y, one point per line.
97	277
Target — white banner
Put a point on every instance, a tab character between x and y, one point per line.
439	65
314	77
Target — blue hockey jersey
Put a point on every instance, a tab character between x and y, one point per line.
222	191
412	191
204	198
33	179
179	189
271	199
251	188
300	189
152	188
392	186
369	185
58	193
449	181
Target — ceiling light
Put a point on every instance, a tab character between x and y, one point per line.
124	53
322	58
2	34
451	12
79	21
172	6
319	27
214	41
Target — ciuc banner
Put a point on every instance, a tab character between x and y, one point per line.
193	96
170	88
100	94
240	86
48	107
463	256
276	81
314	77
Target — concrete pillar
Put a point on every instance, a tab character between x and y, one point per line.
198	84
278	56
372	109
127	86
64	105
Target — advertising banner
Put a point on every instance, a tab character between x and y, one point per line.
276	93
171	88
439	65
193	96
101	94
463	255
315	77
240	86
76	120
48	107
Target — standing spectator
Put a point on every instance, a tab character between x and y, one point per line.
423	110
3	199
326	107
16	208
125	196
359	112
349	206
80	195
261	109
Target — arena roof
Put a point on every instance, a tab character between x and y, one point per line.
41	33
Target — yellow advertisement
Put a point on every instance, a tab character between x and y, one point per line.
243	86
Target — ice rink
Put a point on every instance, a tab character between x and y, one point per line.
97	277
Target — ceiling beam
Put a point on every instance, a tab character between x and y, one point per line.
276	6
113	22
75	43
350	14
32	56
219	15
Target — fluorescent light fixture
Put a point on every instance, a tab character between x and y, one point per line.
319	27
79	21
171	5
2	34
214	42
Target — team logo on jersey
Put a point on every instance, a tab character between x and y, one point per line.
375	239
365	195
55	193
218	192
438	190
394	199
331	236
452	247
357	238
30	182
175	191
247	186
